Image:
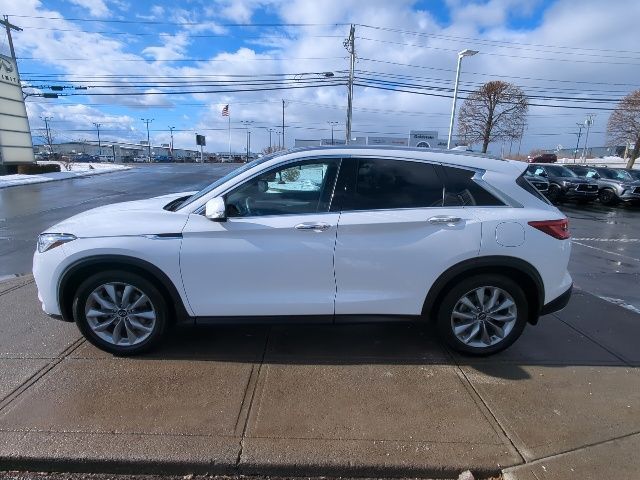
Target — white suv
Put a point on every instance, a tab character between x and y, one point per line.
331	234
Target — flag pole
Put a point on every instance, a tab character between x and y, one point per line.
229	136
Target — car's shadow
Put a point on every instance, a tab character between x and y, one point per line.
551	343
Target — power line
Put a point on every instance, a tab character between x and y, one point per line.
511	55
486	40
191	92
379	87
493	75
183	59
181	33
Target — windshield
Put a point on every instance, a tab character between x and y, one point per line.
582	171
228	176
558	171
615	174
634	174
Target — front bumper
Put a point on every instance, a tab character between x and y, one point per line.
629	196
573	193
557	303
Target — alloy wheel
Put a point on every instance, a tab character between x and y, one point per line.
484	316
120	314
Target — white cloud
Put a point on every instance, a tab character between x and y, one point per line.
308	110
96	8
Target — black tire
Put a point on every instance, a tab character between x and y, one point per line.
459	290
607	196
143	285
554	194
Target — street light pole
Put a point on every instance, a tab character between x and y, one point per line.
247	124
350	45
463	53
171	129
97	125
48	133
579	134
333	124
148	121
270	130
588	122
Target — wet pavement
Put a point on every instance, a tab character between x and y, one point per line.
605	258
27	210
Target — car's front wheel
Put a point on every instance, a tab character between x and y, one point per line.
120	312
607	197
483	314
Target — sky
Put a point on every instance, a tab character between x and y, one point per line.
177	62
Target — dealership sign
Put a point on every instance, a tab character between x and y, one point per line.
16	145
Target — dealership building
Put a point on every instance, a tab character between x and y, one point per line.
415	138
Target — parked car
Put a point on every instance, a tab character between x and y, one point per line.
140	159
544	158
635	174
564	184
541	183
614	186
331	234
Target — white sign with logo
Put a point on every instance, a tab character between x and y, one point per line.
16	145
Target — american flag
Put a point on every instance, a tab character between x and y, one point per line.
225	111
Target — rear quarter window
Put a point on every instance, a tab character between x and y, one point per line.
460	190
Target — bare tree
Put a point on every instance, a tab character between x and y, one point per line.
624	125
496	111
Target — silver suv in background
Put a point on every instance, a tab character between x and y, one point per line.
614	186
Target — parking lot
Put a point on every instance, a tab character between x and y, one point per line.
381	400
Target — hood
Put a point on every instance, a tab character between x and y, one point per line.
139	217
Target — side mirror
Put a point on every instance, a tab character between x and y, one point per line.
215	209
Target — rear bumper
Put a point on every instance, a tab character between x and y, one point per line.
557	303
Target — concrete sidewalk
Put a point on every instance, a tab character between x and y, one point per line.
381	400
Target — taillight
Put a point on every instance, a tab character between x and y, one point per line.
556	228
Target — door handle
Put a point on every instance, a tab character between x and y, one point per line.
316	227
444	220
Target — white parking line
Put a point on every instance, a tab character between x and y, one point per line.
620	240
607	251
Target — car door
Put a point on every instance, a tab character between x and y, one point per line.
273	255
397	233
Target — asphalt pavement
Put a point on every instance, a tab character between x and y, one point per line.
27	210
606	243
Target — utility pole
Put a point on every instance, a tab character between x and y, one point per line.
588	122
350	45
333	124
9	26
97	125
579	134
148	121
48	133
171	129
283	144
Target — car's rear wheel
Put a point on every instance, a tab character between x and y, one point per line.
120	312
607	197
483	314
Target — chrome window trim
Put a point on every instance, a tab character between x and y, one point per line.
200	210
509	202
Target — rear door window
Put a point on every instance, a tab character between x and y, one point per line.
378	184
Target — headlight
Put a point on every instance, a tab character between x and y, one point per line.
47	241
